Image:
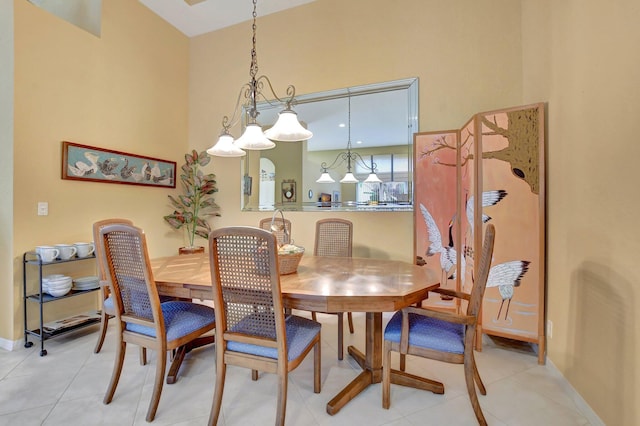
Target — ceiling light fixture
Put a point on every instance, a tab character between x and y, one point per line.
286	129
348	156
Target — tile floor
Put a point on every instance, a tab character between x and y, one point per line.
66	387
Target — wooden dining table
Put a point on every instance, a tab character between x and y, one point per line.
325	284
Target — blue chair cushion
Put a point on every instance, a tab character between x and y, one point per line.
180	319
108	307
426	332
300	333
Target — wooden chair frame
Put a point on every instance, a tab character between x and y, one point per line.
322	247
280	366
159	342
469	320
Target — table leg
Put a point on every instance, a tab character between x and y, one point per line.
172	375
371	363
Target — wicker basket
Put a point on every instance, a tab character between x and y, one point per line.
289	261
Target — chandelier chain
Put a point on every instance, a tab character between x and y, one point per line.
253	70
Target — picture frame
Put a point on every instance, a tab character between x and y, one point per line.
247	182
288	191
93	164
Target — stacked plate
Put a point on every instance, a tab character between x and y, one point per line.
86	283
57	285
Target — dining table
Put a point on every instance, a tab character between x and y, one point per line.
324	284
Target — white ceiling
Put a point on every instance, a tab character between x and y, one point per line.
210	15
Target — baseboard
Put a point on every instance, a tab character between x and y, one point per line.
9	345
582	405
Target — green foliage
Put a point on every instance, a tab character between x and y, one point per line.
197	202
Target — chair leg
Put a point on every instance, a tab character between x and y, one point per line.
340	335
386	375
471	389
117	369
313	316
157	385
316	366
221	370
403	362
104	322
254	375
143	356
350	319
282	398
476	376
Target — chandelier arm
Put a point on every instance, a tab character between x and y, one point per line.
340	158
227	122
291	92
357	158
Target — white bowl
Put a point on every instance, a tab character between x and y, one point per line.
59	285
58	293
53	277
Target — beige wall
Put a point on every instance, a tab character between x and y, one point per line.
126	90
583	58
465	53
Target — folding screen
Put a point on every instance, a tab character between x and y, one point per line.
500	155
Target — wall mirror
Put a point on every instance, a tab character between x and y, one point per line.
378	120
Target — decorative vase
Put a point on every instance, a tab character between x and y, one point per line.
190	250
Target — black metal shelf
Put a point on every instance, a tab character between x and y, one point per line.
46	298
32	260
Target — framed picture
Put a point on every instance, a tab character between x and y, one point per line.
89	163
246	183
289	191
336	196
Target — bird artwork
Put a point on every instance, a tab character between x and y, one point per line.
139	177
80	168
108	167
489	198
127	171
448	256
506	276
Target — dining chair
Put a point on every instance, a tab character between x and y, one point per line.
442	336
282	228
108	309
251	328
334	237
142	320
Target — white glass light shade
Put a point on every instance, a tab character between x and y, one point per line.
372	178
226	148
254	138
349	178
288	128
325	177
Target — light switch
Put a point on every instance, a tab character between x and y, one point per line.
43	208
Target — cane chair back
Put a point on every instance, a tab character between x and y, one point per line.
142	319
334	237
108	309
251	329
441	336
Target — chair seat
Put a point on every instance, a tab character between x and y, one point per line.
108	306
110	309
426	332
180	319
300	333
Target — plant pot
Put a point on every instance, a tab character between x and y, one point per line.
190	250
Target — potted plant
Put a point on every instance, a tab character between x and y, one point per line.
196	203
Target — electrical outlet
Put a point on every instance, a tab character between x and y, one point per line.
43	208
549	329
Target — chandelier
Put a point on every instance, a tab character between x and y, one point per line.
286	129
349	157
